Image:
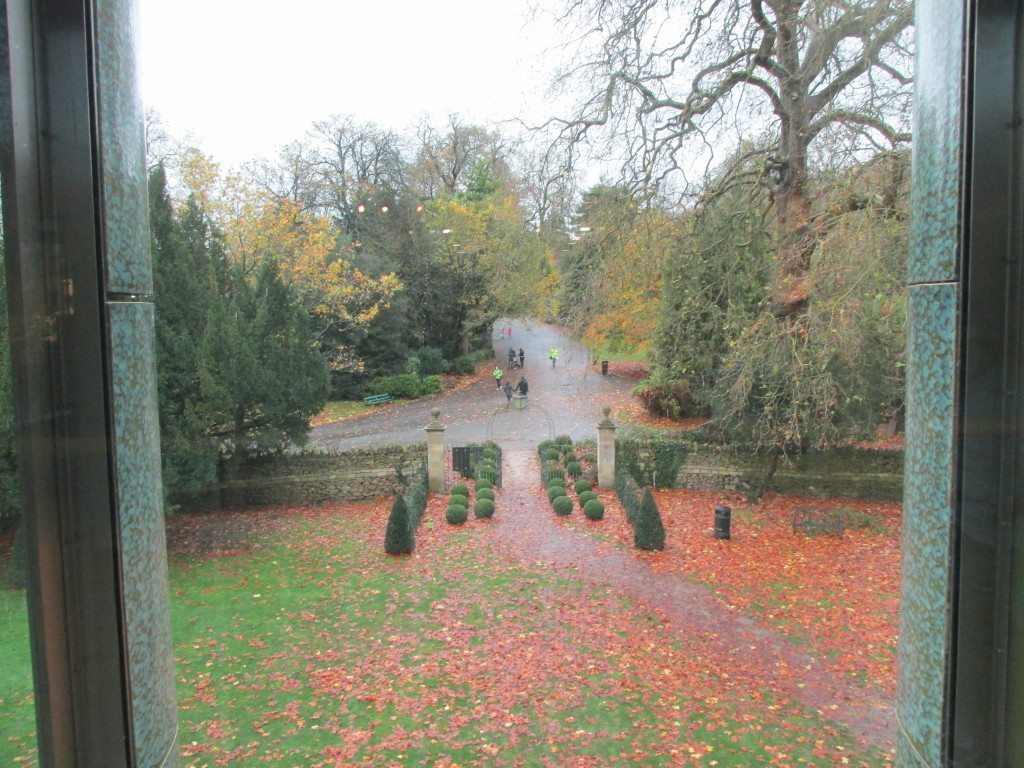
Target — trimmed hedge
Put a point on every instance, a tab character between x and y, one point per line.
485	493
456	515
416	497
593	509
581	486
562	505
484	485
484	508
464	365
563	440
460	490
574	469
404	385
587	496
554	492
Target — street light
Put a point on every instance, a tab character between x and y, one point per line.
383	209
360	208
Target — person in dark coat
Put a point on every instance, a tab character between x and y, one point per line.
522	387
511	357
522	358
508	392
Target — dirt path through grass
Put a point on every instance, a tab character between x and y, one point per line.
528	528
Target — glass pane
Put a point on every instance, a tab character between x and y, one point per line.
575	446
17	711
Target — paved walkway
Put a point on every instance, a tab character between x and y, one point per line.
566	399
528	528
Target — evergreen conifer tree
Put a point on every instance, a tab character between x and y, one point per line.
649	531
398	539
237	369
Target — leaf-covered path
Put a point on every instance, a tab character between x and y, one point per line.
690	610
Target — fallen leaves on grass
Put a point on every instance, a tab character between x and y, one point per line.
840	596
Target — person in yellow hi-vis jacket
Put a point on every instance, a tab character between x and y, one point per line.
553	354
498	374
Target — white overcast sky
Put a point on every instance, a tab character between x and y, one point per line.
246	76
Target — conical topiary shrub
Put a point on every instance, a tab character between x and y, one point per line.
398	539
649	531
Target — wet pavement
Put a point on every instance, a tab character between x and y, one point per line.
564	399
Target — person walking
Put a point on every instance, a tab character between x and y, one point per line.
522	358
497	374
511	357
522	388
508	393
553	354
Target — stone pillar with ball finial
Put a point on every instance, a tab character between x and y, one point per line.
435	453
606	450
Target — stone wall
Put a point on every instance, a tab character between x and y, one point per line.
847	471
315	478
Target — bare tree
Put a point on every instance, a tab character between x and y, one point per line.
679	78
447	158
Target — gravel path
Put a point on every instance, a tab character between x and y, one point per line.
566	399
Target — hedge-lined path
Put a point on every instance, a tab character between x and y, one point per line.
528	527
566	399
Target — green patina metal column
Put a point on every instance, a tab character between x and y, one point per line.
124	205
933	301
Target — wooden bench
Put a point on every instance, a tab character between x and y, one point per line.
377	399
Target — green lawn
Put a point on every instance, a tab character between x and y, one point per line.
314	648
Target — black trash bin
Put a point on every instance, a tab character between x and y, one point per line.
723	519
604	367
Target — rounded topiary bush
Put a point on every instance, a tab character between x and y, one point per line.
587	496
581	486
484	508
460	490
456	515
562	505
594	509
484	485
563	440
485	493
556	481
551	454
557	477
573	469
487	477
554	492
